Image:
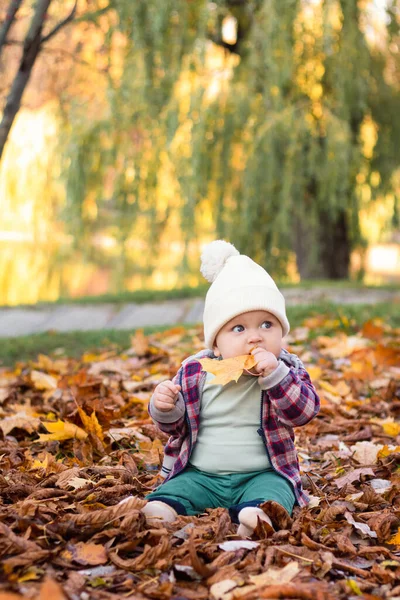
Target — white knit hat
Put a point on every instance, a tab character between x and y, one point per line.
239	285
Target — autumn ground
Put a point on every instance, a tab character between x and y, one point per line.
75	439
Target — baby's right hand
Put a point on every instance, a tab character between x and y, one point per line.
165	396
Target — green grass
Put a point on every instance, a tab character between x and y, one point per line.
142	296
347	318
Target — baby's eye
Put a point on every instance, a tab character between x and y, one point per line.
238	328
266	325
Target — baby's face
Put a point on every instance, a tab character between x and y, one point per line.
246	331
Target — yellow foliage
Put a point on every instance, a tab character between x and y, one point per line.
91	424
229	369
62	430
389	426
395	539
314	372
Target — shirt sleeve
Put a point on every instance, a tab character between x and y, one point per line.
294	398
275	377
171	416
171	422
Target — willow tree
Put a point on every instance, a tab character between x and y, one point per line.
306	84
114	161
272	145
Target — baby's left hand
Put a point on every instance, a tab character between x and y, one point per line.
266	361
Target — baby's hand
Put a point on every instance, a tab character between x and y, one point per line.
266	361
165	396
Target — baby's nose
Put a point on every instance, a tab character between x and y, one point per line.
254	336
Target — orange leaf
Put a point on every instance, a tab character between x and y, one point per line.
91	424
50	589
229	369
89	553
140	343
395	539
373	329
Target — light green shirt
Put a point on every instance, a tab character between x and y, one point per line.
228	441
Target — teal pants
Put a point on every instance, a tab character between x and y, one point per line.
192	491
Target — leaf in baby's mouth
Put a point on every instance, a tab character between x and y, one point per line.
229	369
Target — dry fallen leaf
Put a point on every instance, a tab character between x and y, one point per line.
91	424
88	554
42	381
363	527
229	369
61	502
140	343
366	453
50	589
61	430
353	475
21	420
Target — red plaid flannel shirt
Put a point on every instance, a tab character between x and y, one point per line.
290	403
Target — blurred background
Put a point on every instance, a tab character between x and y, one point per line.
132	132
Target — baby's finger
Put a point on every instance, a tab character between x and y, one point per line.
170	385
168	396
164	406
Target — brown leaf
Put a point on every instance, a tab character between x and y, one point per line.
197	562
145	560
383	524
343	543
353	475
21	420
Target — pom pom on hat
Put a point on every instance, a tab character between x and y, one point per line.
214	257
238	285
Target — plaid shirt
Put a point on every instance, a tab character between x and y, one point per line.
290	403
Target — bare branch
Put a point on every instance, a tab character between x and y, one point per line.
62	24
10	16
30	52
92	16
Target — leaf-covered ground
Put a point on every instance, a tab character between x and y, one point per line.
75	439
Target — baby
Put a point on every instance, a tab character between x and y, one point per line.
232	446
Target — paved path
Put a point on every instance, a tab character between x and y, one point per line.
74	317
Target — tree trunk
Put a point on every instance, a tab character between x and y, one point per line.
8	21
323	252
30	51
335	246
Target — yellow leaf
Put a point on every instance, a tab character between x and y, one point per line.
389	426
314	372
340	389
328	387
395	539
42	381
353	585
229	369
38	464
31	574
61	430
388	450
91	423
